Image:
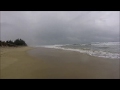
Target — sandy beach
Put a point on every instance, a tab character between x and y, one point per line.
44	63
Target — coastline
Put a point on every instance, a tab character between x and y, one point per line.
45	63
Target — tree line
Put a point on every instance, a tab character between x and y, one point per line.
17	42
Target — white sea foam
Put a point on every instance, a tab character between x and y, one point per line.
90	52
105	43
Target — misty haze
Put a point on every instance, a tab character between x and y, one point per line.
59	44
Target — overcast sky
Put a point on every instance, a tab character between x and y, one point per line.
60	27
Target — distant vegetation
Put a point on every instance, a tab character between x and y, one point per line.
10	43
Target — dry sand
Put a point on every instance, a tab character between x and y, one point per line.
43	63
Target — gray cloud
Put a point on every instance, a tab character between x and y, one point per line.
60	27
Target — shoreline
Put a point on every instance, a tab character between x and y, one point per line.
44	63
83	65
108	55
78	52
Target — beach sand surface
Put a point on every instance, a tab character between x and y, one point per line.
44	63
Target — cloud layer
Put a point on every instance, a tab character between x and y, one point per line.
60	27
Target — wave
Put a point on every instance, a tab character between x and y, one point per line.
105	43
87	51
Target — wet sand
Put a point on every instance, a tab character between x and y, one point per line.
44	63
70	64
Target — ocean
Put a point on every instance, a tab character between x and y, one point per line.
98	49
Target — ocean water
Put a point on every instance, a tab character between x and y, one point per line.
98	49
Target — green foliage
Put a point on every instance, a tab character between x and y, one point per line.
17	42
10	42
20	42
